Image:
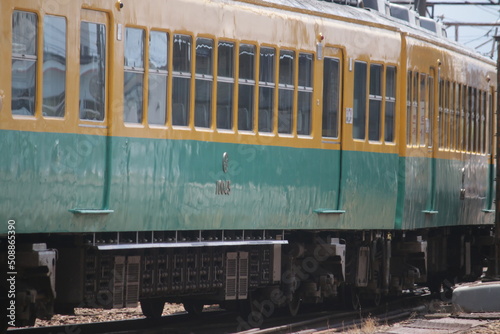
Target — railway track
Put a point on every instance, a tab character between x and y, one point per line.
217	322
337	323
313	322
442	323
174	323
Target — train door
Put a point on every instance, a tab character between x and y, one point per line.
92	146
427	111
420	138
331	115
490	150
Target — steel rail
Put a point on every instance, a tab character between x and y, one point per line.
347	320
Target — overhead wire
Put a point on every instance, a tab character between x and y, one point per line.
484	31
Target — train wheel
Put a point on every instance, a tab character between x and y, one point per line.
434	285
376	299
231	305
29	312
252	304
152	308
351	297
193	307
294	304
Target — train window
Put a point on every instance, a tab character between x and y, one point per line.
460	118
285	91
414	110
463	122
441	114
409	91
457	117
446	112
204	82
157	78
485	123
467	119
476	120
422	110
490	124
451	116
54	66
266	88
390	103
225	85
181	83
305	94
246	87
134	75
482	122
92	71
359	110
472	120
331	101
24	59
375	102
477	139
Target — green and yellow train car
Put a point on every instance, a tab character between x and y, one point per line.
222	151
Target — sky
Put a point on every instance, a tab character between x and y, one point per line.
476	38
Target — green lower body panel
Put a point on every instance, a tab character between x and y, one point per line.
65	183
452	192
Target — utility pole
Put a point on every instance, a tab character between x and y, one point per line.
421	7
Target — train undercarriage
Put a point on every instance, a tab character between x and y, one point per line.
255	272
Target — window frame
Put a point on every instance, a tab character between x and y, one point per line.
229	81
136	71
207	78
44	77
250	83
101	19
26	58
360	109
285	88
390	99
423	109
337	114
186	76
409	92
302	90
376	101
270	88
155	72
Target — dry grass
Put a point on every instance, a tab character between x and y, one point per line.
368	326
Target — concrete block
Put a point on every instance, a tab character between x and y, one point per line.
477	297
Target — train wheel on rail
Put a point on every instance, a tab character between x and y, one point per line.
350	296
252	304
376	299
294	304
152	308
193	307
435	283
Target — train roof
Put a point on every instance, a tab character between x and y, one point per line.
376	13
